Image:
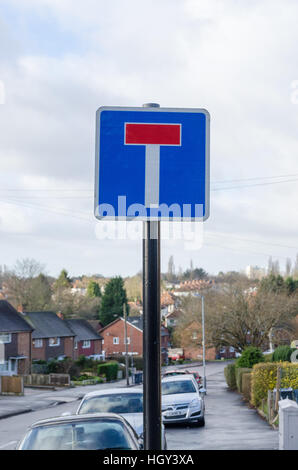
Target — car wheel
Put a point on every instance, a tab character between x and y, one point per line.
201	422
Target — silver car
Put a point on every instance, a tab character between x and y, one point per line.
127	402
182	400
98	431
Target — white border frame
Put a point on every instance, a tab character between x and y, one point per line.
154	110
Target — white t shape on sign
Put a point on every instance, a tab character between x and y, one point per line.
152	136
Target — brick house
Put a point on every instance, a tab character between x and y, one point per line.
15	341
192	345
87	341
96	325
51	338
114	333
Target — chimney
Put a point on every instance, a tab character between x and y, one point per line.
60	315
20	309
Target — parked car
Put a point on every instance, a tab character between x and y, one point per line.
175	354
97	357
128	402
172	373
182	400
81	432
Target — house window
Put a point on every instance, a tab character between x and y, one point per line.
38	343
86	344
194	335
76	345
54	342
127	340
4	366
5	338
115	340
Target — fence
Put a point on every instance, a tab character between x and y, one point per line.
11	385
59	380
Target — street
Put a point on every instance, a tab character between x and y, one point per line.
230	424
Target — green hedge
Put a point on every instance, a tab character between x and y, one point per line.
137	361
246	385
109	370
249	357
264	378
230	376
282	353
239	374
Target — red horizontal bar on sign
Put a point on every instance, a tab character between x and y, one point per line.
158	134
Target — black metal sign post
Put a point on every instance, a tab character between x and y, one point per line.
151	332
110	139
151	336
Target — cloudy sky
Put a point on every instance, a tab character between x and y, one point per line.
62	59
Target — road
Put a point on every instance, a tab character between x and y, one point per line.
230	424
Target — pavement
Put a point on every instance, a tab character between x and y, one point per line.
36	399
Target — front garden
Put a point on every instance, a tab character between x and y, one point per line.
263	380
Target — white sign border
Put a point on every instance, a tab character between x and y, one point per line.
154	110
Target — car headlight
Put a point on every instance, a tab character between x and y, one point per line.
195	403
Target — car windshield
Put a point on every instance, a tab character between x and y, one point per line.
114	403
169	374
82	435
181	386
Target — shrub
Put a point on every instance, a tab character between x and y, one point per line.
53	366
264	379
230	376
249	357
239	371
282	354
109	370
137	361
246	385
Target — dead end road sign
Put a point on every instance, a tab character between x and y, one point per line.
149	160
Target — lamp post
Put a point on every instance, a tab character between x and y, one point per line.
126	345
203	340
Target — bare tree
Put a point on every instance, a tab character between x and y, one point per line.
288	267
20	283
238	318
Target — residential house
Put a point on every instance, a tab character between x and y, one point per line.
193	346
87	341
51	338
15	341
114	337
171	317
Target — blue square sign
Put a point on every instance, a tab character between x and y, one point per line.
152	164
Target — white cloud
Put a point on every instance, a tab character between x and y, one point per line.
236	59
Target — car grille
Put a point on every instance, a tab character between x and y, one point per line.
176	417
181	406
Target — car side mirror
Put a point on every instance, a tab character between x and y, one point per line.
203	391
